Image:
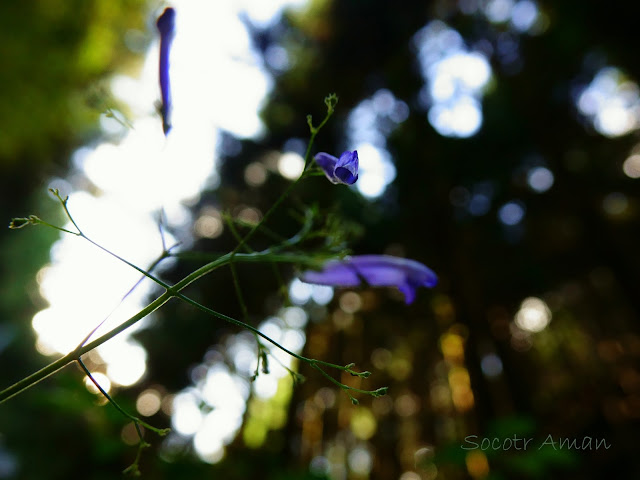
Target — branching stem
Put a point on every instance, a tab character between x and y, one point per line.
174	291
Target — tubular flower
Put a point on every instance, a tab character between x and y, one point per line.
339	170
166	26
376	270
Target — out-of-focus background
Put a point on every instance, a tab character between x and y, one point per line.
498	144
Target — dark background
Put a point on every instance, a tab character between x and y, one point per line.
579	377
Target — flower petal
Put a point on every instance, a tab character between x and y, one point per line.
376	270
166	26
346	169
417	273
333	273
328	165
343	170
409	292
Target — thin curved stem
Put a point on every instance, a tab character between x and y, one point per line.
135	420
330	101
174	291
70	357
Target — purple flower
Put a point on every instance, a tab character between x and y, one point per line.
166	26
339	170
377	270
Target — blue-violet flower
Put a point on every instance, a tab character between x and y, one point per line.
376	270
339	170
166	26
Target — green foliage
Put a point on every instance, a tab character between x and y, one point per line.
52	52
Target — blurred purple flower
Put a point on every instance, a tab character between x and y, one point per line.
376	270
166	26
339	170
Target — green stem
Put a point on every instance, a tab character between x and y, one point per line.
234	231
174	291
266	255
56	192
150	269
53	367
135	420
330	101
347	388
63	201
264	230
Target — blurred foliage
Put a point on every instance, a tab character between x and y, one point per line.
568	249
577	377
52	52
55	54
